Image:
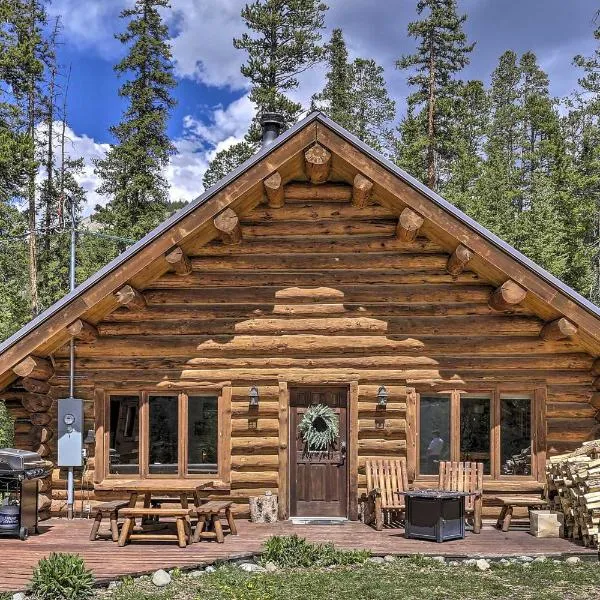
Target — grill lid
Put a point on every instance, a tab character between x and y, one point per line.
16	460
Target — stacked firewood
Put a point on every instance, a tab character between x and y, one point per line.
574	489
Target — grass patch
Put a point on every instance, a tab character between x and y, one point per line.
406	579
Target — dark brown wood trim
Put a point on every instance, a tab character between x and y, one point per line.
411	433
352	453
284	435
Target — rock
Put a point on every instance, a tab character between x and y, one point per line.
251	567
378	560
454	563
526	559
503	561
210	569
439	559
113	585
526	565
557	562
161	578
389	558
19	596
482	564
271	567
540	559
196	573
573	560
470	562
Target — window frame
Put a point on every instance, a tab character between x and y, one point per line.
102	408
535	392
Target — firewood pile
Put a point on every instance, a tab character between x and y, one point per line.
573	487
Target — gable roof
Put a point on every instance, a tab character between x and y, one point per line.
561	299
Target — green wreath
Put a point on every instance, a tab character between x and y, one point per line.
319	427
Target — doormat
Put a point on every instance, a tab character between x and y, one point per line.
318	520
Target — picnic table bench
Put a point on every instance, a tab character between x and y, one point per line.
111	510
209	520
181	516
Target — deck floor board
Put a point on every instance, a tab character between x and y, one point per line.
108	561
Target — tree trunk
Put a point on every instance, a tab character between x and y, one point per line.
431	170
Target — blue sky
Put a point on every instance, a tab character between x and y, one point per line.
213	110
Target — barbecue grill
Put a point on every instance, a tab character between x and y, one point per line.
19	474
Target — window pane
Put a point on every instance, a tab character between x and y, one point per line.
515	436
123	457
163	435
475	431
203	426
434	420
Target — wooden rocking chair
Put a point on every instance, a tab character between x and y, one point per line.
386	477
465	477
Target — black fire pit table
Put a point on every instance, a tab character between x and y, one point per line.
435	515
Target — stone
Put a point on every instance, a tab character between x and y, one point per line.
470	562
196	573
19	596
573	560
454	563
540	559
439	559
526	559
527	565
482	564
210	569
378	560
113	585
271	567
161	578
389	558
503	561
251	567
556	562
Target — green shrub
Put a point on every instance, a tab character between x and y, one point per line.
62	577
7	427
293	551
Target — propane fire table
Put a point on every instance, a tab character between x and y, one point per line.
435	515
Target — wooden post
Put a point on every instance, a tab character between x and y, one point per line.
82	331
228	225
559	329
409	224
352	455
361	191
34	367
317	164
179	261
274	190
130	298
284	401
507	296
458	260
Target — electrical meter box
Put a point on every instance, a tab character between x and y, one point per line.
70	432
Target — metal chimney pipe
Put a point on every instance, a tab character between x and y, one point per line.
272	124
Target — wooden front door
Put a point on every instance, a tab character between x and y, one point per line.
318	479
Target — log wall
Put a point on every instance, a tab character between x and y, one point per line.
319	291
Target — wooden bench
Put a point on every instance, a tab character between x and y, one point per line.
509	503
180	515
209	525
110	510
386	478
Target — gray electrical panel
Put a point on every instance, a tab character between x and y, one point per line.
70	432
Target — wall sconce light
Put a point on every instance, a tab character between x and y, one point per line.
382	396
253	396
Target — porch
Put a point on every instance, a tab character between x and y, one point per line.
17	559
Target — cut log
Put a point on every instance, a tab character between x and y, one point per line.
40	434
507	296
130	298
328	192
178	260
458	260
263	509
274	190
361	191
317	164
82	331
228	225
34	367
35	385
596	367
409	224
44	451
36	402
559	329
40	418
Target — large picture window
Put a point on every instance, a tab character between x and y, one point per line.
152	434
493	427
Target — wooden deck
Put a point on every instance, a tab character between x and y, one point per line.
108	561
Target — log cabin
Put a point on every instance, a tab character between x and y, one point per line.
315	273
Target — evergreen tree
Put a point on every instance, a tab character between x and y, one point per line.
441	54
282	43
336	97
131	173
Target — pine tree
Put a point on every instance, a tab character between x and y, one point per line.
441	54
282	43
131	173
336	97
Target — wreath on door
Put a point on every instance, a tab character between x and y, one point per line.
319	427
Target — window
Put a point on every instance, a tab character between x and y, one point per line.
495	427
155	434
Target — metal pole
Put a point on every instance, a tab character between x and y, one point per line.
70	476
